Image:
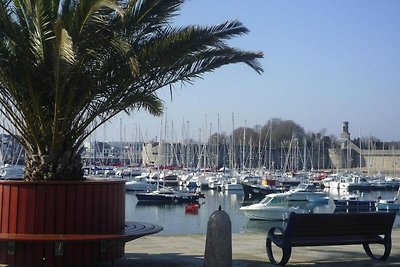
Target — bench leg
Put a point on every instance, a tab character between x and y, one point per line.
388	247
286	253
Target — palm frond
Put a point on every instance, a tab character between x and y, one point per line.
64	44
68	66
150	14
96	12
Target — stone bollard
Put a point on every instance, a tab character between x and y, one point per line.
218	252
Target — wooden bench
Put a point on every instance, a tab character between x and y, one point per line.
332	229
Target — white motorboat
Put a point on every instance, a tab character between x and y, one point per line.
272	207
11	172
353	181
169	179
305	192
332	181
139	184
215	182
202	181
129	172
233	184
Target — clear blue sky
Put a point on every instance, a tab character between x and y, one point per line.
325	61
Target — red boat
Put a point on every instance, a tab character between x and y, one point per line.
192	208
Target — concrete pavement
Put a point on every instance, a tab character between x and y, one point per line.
248	250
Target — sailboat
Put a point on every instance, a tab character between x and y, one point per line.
164	194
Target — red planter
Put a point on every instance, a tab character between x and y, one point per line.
40	208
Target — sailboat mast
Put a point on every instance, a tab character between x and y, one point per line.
359	142
270	146
259	151
173	151
165	137
160	150
205	144
244	146
233	162
305	154
217	148
250	153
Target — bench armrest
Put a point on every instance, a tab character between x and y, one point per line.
275	234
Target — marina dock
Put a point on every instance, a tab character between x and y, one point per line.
248	250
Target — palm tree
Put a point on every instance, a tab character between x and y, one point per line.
68	66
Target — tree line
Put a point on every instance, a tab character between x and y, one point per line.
275	133
279	144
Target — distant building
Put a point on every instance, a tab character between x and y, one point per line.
140	153
112	153
172	155
369	160
150	154
345	135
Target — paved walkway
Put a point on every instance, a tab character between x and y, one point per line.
248	250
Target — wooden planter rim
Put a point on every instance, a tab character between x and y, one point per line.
86	181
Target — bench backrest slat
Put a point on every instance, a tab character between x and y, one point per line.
339	224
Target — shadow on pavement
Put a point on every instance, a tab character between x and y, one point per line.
179	260
175	260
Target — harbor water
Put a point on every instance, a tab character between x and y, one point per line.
176	221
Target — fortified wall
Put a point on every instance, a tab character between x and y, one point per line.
370	161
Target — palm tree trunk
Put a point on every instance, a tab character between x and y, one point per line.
56	166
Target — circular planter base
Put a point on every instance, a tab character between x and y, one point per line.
38	210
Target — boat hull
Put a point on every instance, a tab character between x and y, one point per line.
305	196
270	213
256	191
233	187
168	199
354	203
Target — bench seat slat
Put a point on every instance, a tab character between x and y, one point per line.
345	240
330	240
